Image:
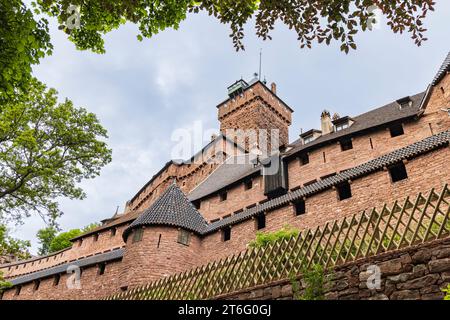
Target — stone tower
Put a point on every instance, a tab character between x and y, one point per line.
255	109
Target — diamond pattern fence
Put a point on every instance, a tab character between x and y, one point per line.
402	224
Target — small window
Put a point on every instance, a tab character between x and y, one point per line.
18	289
248	184
56	280
79	244
223	196
37	283
299	207
101	269
226	234
113	232
304	159
137	235
260	221
183	237
344	191
96	237
346	144
197	204
396	130
398	172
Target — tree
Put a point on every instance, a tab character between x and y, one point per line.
62	240
45	237
4	284
24	40
11	246
312	20
46	148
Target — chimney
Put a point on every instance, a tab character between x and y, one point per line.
325	122
273	87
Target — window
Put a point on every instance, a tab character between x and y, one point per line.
398	172
308	139
96	237
342	126
37	283
18	288
183	237
344	191
299	207
113	232
79	244
137	235
223	196
260	221
346	144
396	130
248	184
197	204
226	234
56	280
101	269
304	159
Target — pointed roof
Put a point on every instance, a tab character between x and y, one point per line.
172	208
442	70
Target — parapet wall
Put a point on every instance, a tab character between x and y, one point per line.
418	273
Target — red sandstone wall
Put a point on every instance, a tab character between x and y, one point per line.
144	261
237	198
93	286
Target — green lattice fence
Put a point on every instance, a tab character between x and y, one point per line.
412	221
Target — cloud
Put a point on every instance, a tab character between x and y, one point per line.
144	91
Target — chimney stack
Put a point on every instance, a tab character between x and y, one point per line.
273	87
325	122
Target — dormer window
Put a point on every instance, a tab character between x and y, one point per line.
310	135
308	139
404	102
342	123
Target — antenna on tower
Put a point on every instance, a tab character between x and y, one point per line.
260	63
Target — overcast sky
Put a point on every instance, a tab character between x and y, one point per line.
143	91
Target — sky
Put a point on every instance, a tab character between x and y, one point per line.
143	92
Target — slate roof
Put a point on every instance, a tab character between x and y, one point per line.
445	67
172	208
232	170
411	151
99	258
374	118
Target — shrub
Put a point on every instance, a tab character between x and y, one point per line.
447	292
264	239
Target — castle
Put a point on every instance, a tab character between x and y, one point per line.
210	206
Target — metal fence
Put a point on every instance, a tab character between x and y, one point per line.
402	224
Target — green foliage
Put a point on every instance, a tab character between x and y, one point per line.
45	237
90	227
315	20
4	284
24	40
447	292
62	240
314	283
46	149
264	239
11	246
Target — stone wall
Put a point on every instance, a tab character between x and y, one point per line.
414	273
